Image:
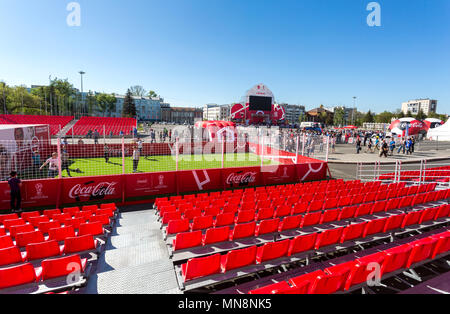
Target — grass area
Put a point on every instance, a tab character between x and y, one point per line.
98	166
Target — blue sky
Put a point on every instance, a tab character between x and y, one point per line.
194	52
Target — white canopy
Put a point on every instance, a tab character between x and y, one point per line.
441	133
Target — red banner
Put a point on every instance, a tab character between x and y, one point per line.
241	177
199	180
34	193
159	183
86	189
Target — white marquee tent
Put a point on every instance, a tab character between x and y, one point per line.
441	133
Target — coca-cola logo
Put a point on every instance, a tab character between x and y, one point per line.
97	191
241	178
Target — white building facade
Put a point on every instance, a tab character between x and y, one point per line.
427	105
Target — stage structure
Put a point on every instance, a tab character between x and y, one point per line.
258	107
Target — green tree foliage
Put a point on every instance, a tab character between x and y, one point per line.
384	117
152	94
339	116
138	91
106	103
421	115
369	117
129	107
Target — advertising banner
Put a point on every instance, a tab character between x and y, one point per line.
159	183
87	189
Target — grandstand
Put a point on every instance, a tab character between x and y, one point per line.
104	126
56	123
219	239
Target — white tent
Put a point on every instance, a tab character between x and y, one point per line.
441	133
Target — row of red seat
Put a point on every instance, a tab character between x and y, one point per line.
206	266
222	234
343	277
11	254
294	219
312	202
103	124
437	174
254	194
27	274
56	123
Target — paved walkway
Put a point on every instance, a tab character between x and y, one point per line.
346	153
136	260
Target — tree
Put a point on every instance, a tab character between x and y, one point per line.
138	91
129	107
339	116
384	117
421	115
152	94
368	118
106	103
408	114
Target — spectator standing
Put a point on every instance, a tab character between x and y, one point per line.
135	159
15	184
358	145
384	149
106	153
65	162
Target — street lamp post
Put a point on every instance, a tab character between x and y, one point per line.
354	109
82	95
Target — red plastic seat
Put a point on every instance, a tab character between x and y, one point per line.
315	206
267	226
264	213
392	204
27	215
282	211
379	206
187	240
347	212
289	223
74	222
212	211
8	217
71	210
60	234
238	258
243	231
79	244
201	267
202	222
50	212
10	255
36	251
306	281
92	228
363	269
89	208
44	227
190	214
23	239
245	216
331	203
443	211
13	222
394	222
442	244
216	235
63	266
103	219
177	226
2	231
421	250
311	219
375	226
20	229
328	237
428	214
353	231
224	220
330	215
334	279
396	258
6	242
272	250
38	219
363	210
300	208
17	276
302	243
412	218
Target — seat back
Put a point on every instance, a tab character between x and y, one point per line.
272	250
216	235
10	255
396	258
23	239
268	226
187	240
302	243
17	276
311	219
60	234
289	223
42	250
353	231
92	228
201	267
243	230
202	222
225	219
59	267
238	258
176	226
328	237
79	244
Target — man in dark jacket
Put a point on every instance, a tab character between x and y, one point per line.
15	185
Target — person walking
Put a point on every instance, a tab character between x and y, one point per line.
136	156
401	146
408	146
52	163
15	184
384	149
358	145
392	146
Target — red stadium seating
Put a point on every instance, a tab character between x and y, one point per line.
112	125
56	123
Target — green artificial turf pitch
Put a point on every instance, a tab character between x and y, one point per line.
97	166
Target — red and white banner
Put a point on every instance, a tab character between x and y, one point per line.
54	193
